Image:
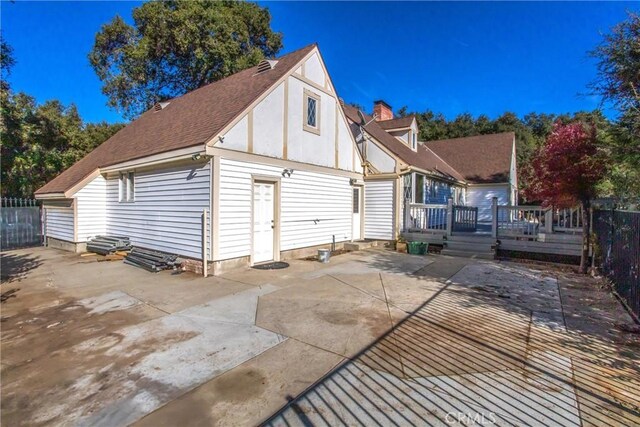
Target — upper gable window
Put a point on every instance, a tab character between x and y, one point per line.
311	109
414	141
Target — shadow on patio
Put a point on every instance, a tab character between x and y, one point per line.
468	355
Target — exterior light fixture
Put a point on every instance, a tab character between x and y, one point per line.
196	156
286	172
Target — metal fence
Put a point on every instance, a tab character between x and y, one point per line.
21	223
618	252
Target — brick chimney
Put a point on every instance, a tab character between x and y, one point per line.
382	110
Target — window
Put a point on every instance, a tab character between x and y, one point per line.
356	200
126	187
311	110
414	141
420	181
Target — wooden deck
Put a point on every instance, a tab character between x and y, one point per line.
527	229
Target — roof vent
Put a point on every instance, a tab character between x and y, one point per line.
160	105
266	65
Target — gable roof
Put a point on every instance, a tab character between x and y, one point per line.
186	121
423	158
480	159
398	123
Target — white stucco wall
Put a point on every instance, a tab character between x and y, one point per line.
379	159
313	70
268	129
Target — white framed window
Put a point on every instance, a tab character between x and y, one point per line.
126	187
414	141
311	112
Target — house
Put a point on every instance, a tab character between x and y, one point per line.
400	168
256	167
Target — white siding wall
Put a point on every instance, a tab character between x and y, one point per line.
167	212
481	196
305	196
92	203
378	209
59	222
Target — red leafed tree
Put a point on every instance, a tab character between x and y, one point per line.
565	172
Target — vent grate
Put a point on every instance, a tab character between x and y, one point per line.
266	65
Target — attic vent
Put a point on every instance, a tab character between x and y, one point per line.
266	65
160	105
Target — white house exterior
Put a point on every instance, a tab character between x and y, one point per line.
399	169
278	177
264	165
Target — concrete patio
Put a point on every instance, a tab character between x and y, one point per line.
373	338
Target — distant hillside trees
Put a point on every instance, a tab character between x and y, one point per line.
38	141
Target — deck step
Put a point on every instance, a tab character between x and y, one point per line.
469	254
468	246
471	238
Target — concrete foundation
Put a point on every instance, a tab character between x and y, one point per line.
66	246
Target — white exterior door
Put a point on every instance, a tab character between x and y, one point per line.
263	221
357	214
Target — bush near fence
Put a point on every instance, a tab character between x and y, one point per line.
21	223
618	252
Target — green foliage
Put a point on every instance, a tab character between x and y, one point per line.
618	63
531	131
178	46
40	141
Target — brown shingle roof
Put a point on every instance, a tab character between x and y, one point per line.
480	159
398	123
189	120
423	158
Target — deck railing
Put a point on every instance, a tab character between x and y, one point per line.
465	218
422	217
520	221
508	221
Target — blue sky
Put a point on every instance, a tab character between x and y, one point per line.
481	58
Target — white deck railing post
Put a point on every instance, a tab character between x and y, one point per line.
494	217
449	216
548	220
407	214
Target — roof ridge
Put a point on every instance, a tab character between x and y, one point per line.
470	136
236	74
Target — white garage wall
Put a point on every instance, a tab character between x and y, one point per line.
92	203
167	212
305	197
378	209
59	222
481	196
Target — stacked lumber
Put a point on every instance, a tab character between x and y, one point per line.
151	260
105	245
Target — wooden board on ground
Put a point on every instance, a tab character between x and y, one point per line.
88	254
111	257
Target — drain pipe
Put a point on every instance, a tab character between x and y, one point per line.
333	243
205	266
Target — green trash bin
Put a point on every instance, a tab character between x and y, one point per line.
417	248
